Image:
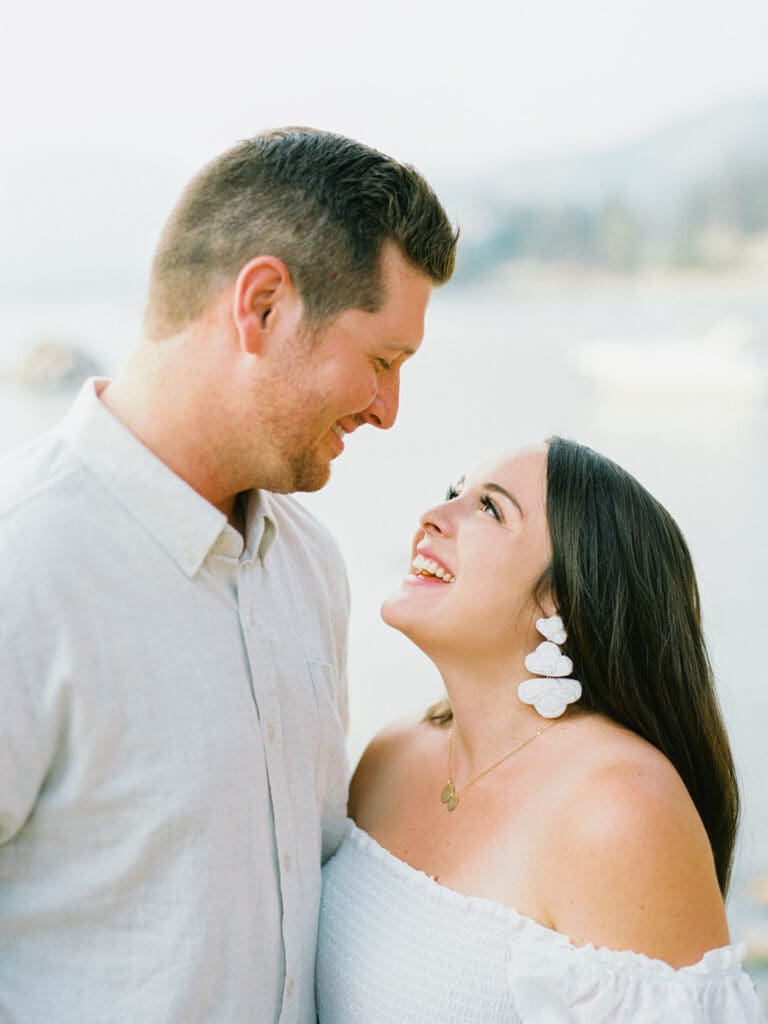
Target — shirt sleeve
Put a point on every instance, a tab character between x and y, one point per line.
26	742
563	984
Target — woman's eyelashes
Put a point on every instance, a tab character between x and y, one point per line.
490	506
486	502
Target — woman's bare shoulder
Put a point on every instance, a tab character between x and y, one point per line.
632	867
392	753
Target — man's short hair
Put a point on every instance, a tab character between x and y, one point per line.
323	204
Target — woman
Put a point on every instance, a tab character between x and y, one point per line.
554	841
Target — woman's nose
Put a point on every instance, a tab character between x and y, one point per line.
435	519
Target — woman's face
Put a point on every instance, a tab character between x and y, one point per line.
491	537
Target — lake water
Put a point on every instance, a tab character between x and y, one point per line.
499	367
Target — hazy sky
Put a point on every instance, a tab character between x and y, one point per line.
446	85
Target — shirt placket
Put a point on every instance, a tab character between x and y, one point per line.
268	659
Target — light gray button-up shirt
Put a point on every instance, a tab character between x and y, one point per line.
172	766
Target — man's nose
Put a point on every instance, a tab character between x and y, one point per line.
382	412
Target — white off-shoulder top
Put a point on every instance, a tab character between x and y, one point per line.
396	947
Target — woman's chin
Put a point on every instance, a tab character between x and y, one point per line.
410	610
391	609
398	610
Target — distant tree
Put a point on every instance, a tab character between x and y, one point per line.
720	215
619	236
709	228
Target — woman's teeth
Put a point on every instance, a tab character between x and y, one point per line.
339	431
426	567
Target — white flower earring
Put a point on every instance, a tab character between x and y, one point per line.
551	695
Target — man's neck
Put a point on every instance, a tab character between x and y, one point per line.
157	402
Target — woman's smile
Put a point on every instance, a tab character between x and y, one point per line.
426	567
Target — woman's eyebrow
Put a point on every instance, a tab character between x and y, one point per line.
498	489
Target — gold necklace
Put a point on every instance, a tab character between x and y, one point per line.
450	795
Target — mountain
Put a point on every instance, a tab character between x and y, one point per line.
81	224
692	194
652	174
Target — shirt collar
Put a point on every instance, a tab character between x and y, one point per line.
260	525
260	531
181	520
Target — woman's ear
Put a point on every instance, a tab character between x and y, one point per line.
544	594
548	607
264	302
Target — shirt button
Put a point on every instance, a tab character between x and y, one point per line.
287	862
270	732
289	988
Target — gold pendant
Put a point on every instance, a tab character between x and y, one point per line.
448	797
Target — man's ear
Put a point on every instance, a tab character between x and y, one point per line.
264	302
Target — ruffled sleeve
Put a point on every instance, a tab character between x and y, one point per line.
554	982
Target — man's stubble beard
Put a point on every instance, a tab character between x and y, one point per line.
294	464
308	473
305	470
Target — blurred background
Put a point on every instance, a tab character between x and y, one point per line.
608	166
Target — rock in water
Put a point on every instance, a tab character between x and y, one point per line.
54	366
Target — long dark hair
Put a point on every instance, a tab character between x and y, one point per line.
623	581
622	578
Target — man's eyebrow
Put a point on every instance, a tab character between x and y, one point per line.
498	489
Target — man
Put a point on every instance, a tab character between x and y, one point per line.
173	625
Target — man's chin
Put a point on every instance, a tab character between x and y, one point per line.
303	474
308	477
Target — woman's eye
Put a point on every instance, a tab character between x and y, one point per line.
383	364
490	506
451	493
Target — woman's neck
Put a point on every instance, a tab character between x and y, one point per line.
489	719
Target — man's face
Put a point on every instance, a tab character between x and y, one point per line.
344	375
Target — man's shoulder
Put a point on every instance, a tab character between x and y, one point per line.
34	470
44	496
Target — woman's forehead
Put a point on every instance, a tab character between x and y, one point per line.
527	465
